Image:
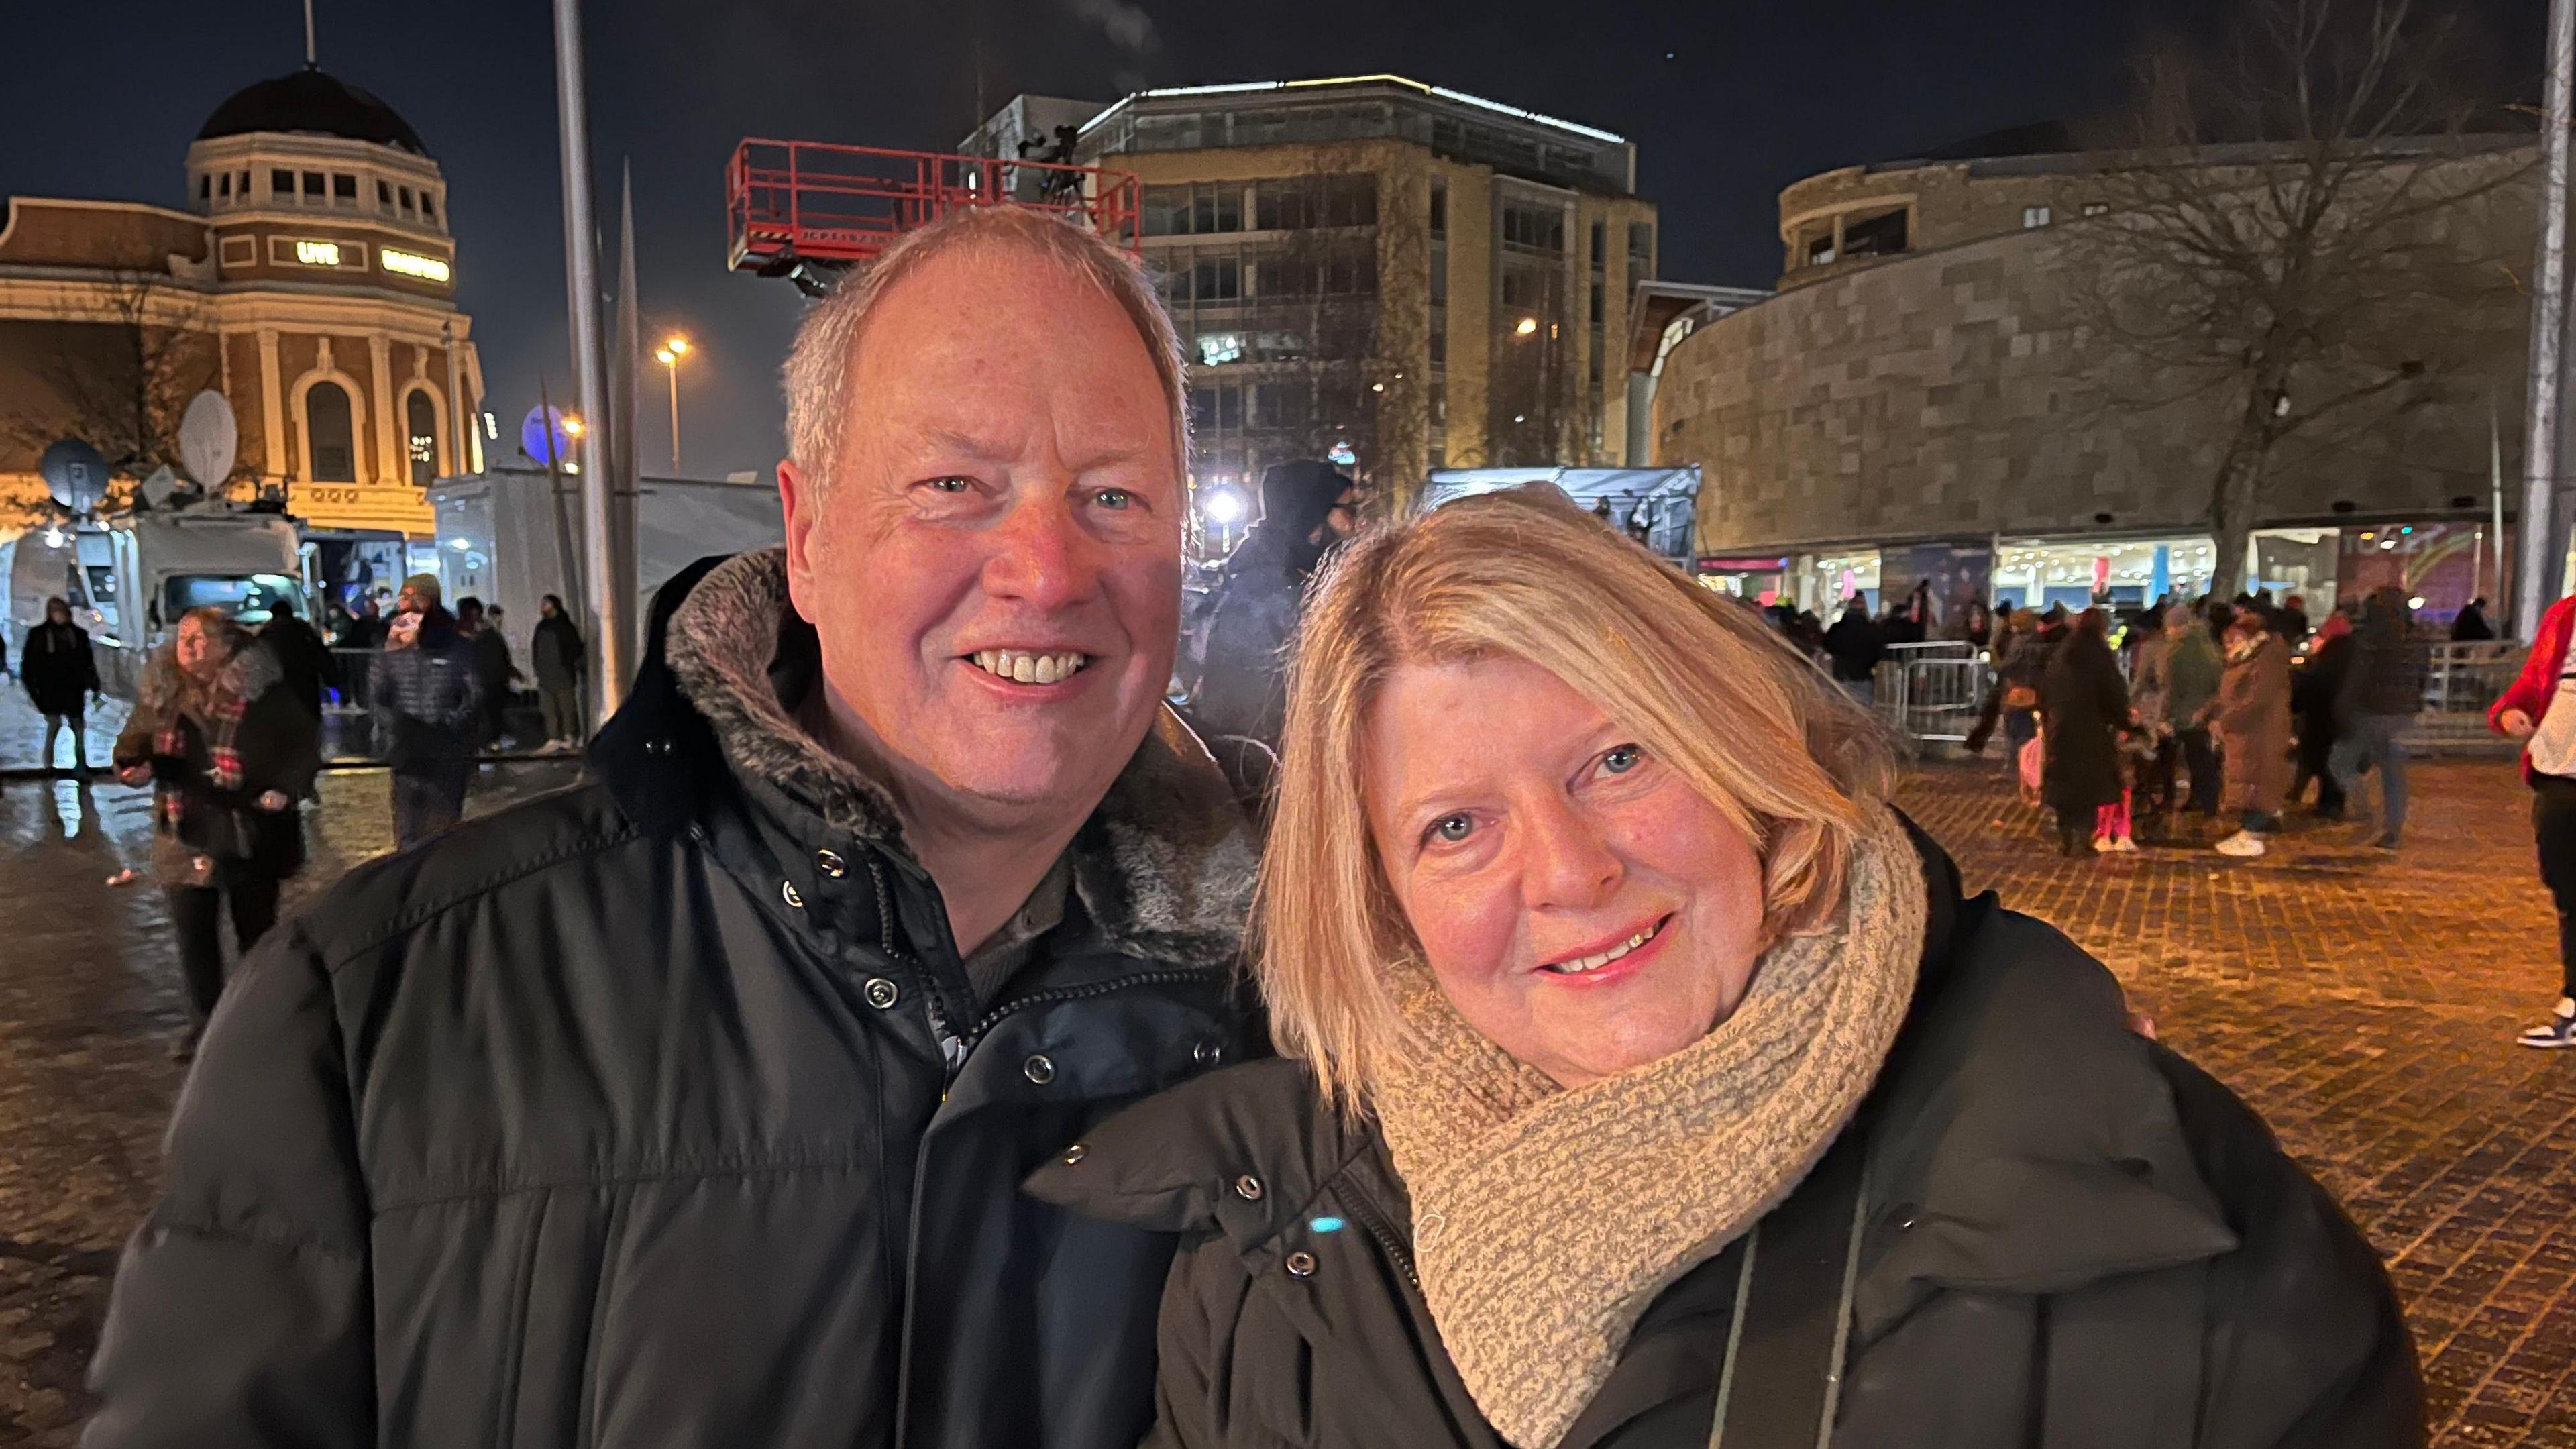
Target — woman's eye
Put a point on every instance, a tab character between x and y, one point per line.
1621	759
1451	829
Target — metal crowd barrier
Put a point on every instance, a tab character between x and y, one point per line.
348	725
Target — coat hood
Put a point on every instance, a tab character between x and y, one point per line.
2023	1138
1164	866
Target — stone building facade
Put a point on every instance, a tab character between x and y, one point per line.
310	281
1384	271
1931	394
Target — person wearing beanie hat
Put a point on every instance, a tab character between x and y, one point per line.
1306	507
420	594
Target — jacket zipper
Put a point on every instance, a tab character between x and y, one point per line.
1079	993
952	1048
1367	1212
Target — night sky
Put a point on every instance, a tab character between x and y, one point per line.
1727	103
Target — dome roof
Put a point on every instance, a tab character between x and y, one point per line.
314	102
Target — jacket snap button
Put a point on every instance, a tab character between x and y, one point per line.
1075	1154
880	992
1248	1188
1206	1053
1301	1264
831	864
1038	1069
787	892
1906	1216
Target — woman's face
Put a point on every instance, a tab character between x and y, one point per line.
198	652
1580	905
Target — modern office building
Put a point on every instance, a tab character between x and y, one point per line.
1391	274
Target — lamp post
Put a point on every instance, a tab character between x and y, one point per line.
669	355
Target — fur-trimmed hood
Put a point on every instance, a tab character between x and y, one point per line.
1164	866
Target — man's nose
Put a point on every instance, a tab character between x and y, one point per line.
1042	554
1567	862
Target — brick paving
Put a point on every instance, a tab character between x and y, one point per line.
2361	1002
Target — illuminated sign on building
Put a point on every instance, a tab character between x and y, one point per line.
318	253
412	264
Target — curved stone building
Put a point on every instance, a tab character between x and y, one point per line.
309	278
1919	400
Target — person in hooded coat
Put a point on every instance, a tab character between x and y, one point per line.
1242	694
2251	717
2086	705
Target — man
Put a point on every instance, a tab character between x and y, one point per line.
301	656
61	676
493	669
2470	625
690	1105
2380	699
2290	621
427	707
1856	643
1306	507
557	653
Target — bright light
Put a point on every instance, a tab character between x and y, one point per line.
318	253
413	264
1340	454
1222	506
2416	602
55	537
458	544
665	356
1528	325
678	346
573	427
1377	387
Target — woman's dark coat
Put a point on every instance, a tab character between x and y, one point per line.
2073	1239
280	747
2083	706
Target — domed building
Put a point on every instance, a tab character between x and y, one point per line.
309	278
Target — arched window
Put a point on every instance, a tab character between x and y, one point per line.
328	444
420	421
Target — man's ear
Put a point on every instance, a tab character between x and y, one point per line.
800	509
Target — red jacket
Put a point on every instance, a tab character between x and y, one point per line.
2537	685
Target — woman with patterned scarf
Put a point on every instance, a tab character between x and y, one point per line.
228	752
1650	1082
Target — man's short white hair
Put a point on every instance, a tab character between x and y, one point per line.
819	366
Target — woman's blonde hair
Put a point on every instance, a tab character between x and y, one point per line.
1701	681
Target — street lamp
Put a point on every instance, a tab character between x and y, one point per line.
1528	325
669	355
573	428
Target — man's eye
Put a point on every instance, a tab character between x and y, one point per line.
950	485
1116	498
1621	759
1450	829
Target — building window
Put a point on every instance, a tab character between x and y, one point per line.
344	188
2034	216
406	201
330	446
242	187
1641	250
1217	279
1596	305
313	188
384	197
428	207
1882	235
1216	409
421	423
206	186
1537	228
281	185
1440	277
1820	248
224	188
1600	245
1439	210
2096	208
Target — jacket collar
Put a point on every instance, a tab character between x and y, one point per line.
1164	866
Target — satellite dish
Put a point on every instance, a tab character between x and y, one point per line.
157	489
208	439
541	423
75	474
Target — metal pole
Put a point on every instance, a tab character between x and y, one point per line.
673	368
609	632
2541	573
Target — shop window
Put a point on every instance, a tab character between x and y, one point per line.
330	444
281	185
1882	235
420	420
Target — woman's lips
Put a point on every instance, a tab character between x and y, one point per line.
1619	961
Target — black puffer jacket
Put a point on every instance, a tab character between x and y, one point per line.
2071	1239
659	1111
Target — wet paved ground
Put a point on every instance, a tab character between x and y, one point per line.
2362	1002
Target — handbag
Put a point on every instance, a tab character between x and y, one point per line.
2020	696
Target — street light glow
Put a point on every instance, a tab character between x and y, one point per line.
678	346
574	427
1528	325
1223	506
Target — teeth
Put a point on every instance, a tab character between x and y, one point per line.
1595	962
1027	668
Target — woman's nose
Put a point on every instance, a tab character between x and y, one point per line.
1567	860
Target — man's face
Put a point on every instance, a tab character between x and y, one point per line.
409	601
995	570
57	614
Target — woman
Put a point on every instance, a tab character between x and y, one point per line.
2316	688
1651	1006
2086	705
229	751
2251	717
2539	709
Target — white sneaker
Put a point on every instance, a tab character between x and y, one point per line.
2557	1033
2104	845
2125	845
2243	844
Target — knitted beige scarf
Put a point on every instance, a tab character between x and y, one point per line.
1546	1220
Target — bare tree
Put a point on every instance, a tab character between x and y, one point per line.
2286	244
122	380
